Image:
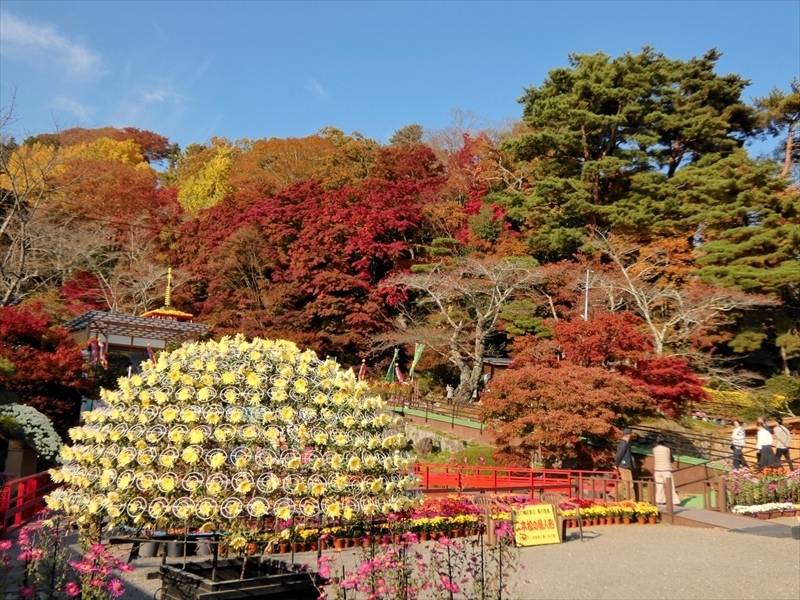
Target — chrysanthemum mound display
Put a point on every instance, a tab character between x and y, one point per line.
231	435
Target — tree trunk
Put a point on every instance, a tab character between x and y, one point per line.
785	360
787	158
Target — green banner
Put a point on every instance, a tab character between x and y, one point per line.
390	376
418	350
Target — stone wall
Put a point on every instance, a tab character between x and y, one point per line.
447	444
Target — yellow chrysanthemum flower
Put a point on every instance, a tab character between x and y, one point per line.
300	386
190	455
217	460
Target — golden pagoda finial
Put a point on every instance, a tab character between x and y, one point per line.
168	293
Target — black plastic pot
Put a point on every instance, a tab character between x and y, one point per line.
266	578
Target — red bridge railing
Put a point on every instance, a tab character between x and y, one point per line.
439	478
21	499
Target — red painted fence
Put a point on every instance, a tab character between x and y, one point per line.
21	499
438	478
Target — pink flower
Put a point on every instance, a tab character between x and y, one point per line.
448	584
98	583
5	545
26	591
116	588
73	589
324	567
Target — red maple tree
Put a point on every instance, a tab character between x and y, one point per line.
47	365
569	396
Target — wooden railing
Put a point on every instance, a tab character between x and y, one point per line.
21	499
442	478
708	447
447	411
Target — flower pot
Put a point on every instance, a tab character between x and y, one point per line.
339	543
651	520
424	537
252	548
298	546
283	548
312	546
460	532
148	549
640	520
762	515
616	520
626	520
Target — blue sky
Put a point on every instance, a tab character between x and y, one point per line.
192	70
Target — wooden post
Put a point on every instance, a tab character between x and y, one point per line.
668	491
722	497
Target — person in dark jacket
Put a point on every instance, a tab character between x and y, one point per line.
623	463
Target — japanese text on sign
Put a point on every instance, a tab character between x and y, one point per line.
535	525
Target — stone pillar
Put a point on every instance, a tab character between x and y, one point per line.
22	459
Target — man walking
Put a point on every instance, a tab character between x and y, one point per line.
737	445
783	441
623	462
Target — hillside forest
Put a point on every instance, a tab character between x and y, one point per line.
618	240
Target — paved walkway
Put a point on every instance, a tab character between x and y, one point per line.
620	562
628	562
777	528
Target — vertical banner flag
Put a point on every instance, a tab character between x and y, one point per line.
399	373
390	372
93	351
418	350
362	372
150	354
103	354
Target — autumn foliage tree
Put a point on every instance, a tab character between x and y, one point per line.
567	396
306	263
561	416
46	365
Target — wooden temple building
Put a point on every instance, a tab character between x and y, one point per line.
132	335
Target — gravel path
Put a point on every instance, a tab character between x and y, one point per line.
636	562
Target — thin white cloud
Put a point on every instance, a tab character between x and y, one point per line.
161	94
70	105
314	86
20	38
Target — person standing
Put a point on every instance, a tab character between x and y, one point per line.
766	456
783	441
738	440
662	470
623	462
448	392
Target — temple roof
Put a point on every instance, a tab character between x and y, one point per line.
108	323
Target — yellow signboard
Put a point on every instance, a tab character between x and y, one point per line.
535	525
